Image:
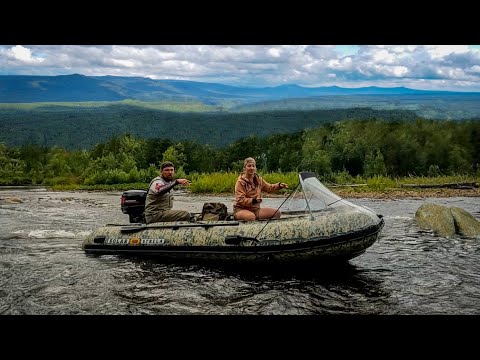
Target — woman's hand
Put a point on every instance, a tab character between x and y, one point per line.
283	186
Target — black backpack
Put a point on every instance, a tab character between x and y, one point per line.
214	211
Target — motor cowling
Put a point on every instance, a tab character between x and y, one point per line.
133	204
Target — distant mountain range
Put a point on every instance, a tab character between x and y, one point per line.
77	111
75	88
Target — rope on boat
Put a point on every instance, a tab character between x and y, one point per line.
334	202
278	209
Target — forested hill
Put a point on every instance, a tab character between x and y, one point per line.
77	87
85	127
441	106
181	95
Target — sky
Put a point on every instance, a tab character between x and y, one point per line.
427	67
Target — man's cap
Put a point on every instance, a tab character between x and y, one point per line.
166	164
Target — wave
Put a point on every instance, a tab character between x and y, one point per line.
50	234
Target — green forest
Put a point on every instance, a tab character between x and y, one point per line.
348	149
80	127
454	106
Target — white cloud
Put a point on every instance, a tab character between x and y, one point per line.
122	63
440	51
274	52
23	54
257	65
384	56
475	69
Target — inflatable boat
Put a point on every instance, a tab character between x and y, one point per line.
316	226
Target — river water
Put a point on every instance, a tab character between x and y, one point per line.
43	269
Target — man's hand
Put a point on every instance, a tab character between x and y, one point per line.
183	182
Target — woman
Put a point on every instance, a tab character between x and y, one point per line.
248	194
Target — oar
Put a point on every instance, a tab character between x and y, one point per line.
175	226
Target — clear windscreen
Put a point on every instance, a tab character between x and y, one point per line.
311	197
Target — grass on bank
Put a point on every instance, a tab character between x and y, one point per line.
224	183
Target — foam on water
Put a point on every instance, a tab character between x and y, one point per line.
52	234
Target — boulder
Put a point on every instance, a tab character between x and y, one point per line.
437	218
465	223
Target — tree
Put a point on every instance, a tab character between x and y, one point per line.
176	154
374	165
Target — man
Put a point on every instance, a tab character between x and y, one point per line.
159	202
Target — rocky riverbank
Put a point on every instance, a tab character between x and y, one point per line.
411	193
352	193
385	194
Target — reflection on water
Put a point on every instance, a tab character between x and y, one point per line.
165	289
44	271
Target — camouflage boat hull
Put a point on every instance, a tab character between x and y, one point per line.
327	236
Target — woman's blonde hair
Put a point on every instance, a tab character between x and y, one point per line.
247	160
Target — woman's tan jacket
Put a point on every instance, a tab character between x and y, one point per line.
246	191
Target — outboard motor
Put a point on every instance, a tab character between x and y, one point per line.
133	204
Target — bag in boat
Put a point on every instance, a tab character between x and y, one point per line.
214	211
